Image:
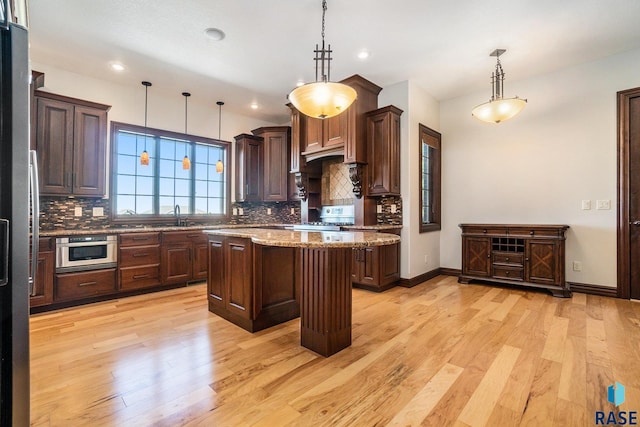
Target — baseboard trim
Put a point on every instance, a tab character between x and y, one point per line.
450	271
410	283
585	288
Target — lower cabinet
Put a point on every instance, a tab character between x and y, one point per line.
184	256
139	261
84	284
526	255
252	286
376	268
43	286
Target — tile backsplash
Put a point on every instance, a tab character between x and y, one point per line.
337	188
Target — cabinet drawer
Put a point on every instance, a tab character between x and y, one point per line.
504	272
196	236
139	277
139	255
485	230
535	232
86	284
508	258
139	239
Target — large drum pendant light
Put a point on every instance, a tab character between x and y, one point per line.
322	99
499	108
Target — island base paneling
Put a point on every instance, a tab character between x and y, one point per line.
325	318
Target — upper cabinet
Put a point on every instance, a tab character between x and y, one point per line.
342	134
383	155
249	161
276	147
71	141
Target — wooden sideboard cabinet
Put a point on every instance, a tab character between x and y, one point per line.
527	255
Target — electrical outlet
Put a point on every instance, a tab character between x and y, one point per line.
293	211
77	211
268	211
426	258
379	208
603	204
577	265
240	211
586	205
98	212
394	208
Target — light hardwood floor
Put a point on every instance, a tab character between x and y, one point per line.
436	354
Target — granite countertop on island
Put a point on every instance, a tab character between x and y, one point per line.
309	239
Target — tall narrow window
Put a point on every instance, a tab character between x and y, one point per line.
430	141
152	192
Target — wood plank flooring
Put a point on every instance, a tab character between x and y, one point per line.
440	353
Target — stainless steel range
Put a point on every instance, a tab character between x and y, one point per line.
333	217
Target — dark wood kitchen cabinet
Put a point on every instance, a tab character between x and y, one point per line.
276	148
71	138
526	255
343	134
383	155
253	286
45	270
139	260
84	284
184	256
376	268
249	168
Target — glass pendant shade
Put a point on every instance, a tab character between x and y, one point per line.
219	166
144	158
186	163
499	110
322	100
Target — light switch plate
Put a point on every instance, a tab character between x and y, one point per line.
586	205
268	211
603	204
98	211
77	211
394	208
379	208
240	211
235	211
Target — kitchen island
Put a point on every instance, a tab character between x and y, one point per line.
258	277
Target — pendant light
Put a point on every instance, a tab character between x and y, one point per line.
322	99
498	109
186	163
219	164
144	157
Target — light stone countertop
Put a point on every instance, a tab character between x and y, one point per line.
309	239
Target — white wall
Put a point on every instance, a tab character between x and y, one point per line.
540	165
165	111
418	107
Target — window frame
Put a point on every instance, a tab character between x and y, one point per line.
435	191
161	133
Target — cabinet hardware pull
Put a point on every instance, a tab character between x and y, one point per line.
140	238
193	235
507	258
507	273
532	232
488	255
484	230
526	259
141	254
140	276
635	223
87	284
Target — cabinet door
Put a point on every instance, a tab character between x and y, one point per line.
176	263
383	151
89	151
312	134
85	284
216	272
238	276
389	259
253	171
43	286
276	166
356	265
476	253
54	144
335	130
541	262
200	261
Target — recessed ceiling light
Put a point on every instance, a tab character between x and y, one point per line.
364	54
117	66
214	34
254	105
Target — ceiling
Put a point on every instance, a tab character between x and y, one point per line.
443	46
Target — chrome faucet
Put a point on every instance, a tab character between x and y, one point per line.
176	213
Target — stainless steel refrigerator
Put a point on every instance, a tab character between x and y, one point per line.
14	222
